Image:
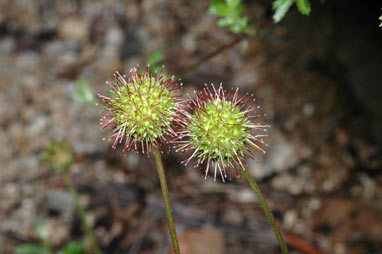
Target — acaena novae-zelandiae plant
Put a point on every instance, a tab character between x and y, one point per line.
219	130
142	112
59	156
215	126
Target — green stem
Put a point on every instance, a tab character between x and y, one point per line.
268	212
81	212
163	184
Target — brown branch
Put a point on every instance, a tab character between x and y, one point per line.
223	48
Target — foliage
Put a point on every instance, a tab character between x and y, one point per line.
281	7
31	248
303	6
34	248
83	92
155	61
44	247
74	248
230	13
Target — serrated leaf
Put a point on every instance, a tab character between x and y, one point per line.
31	248
74	248
303	6
230	12
83	92
281	7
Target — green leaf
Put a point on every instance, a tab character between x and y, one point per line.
230	12
281	7
227	21
237	11
219	8
233	3
155	58
74	248
83	92
31	248
303	6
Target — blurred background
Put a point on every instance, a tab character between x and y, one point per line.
318	80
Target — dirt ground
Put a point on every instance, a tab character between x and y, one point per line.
318	80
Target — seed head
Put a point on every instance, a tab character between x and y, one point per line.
219	130
58	155
141	109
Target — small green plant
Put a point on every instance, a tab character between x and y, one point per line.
142	114
230	13
83	92
73	248
59	156
219	133
31	248
142	110
231	16
216	126
219	130
44	246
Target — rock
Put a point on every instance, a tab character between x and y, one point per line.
281	154
233	216
74	28
58	231
61	204
202	241
290	218
21	221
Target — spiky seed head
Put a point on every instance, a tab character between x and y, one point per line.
220	130
141	109
58	155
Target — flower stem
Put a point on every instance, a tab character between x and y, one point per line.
267	211
163	184
81	212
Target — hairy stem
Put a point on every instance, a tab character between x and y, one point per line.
267	211
163	184
81	212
